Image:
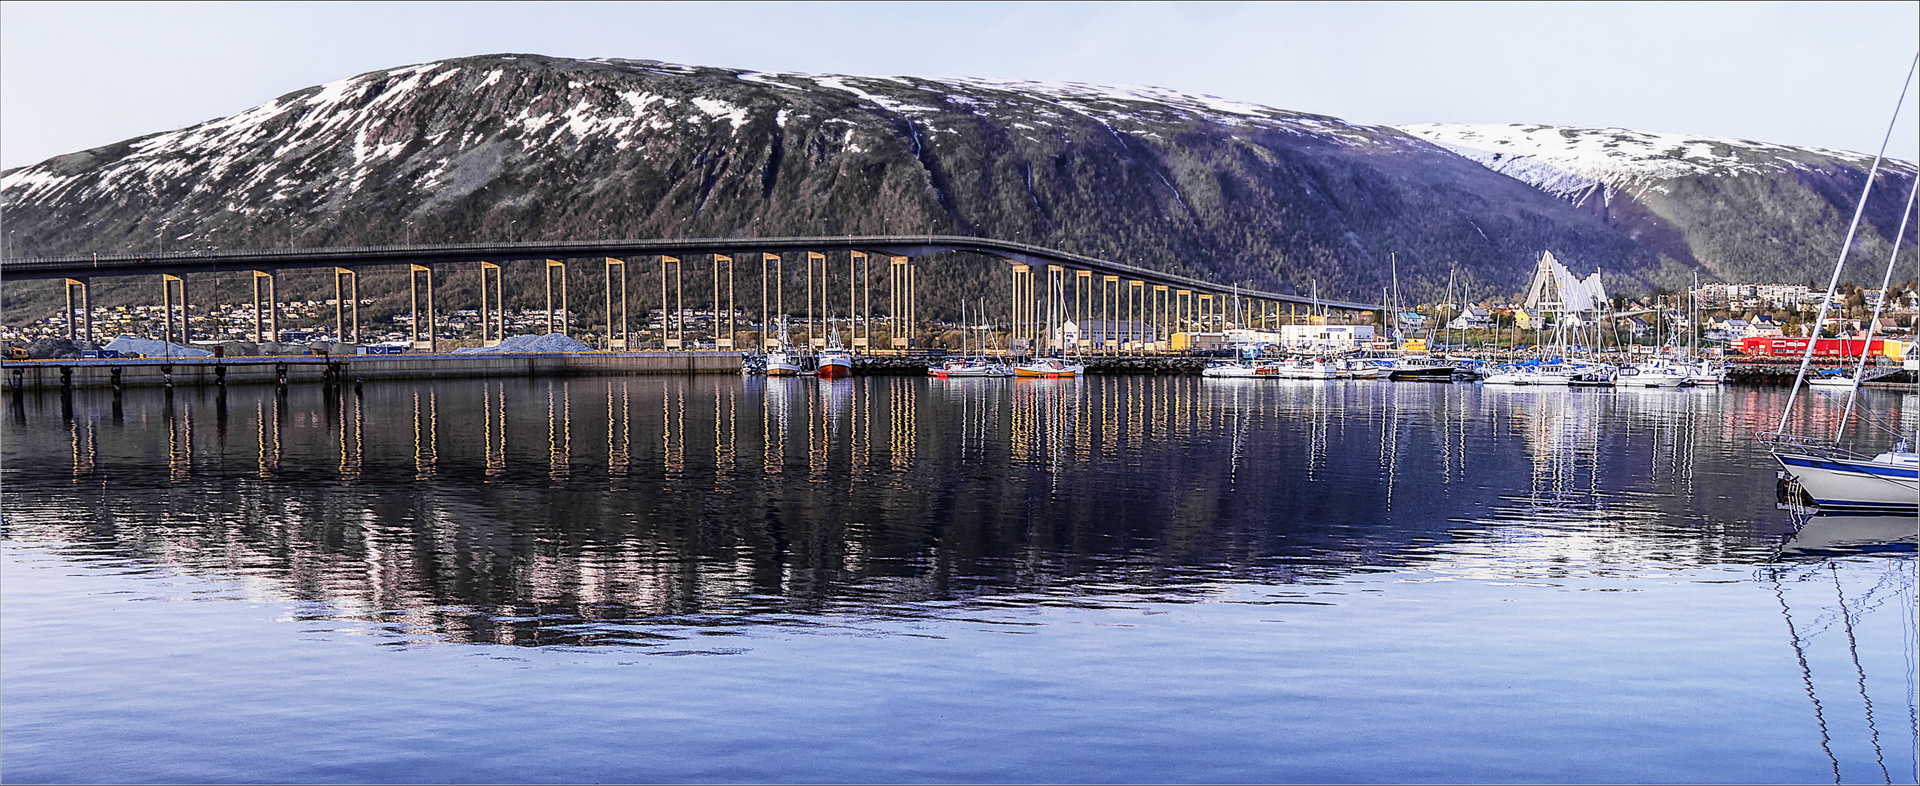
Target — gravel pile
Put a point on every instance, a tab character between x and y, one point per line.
551	342
154	348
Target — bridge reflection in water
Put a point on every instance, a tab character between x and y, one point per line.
644	510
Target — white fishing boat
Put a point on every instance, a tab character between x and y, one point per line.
781	363
784	360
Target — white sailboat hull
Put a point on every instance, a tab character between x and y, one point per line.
970	371
1529	378
1240	372
1854	484
1644	380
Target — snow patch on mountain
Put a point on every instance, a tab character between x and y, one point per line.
1571	162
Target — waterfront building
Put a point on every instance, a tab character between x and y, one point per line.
1098	333
1335	338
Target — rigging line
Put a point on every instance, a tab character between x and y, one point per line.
1860	369
1806	676
1833	282
1853	648
1908	639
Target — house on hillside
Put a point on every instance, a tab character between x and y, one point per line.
1762	326
1474	318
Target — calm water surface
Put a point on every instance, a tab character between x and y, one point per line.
894	579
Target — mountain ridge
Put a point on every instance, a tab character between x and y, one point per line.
503	147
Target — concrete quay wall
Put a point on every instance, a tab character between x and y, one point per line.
343	369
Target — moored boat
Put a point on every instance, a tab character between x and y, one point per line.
1048	368
1832	476
963	368
1240	371
1707	372
1417	368
1655	373
1835	479
835	364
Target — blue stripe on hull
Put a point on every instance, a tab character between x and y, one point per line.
1838	504
1852	467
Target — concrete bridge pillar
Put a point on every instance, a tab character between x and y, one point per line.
561	318
419	338
1020	305
266	308
1082	306
816	266
722	340
1158	316
346	305
767	339
493	307
1056	303
897	301
1135	315
856	261
85	329
169	285
616	304
671	321
671	324
1116	302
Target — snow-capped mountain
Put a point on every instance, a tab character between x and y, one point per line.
517	147
1740	209
524	147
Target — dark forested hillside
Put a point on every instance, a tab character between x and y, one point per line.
519	147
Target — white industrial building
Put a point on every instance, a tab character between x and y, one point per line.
1332	338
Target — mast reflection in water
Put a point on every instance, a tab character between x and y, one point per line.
648	514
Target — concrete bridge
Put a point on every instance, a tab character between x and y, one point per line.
1047	286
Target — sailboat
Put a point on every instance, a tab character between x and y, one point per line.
1832	476
1408	367
1700	371
969	365
1662	371
1051	367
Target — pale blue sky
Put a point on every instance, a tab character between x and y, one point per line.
74	76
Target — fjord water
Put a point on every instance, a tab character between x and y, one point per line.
894	579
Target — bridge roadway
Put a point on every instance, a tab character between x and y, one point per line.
179	263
